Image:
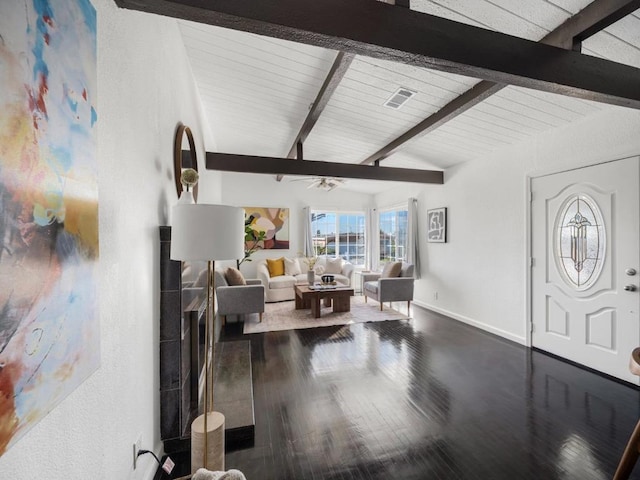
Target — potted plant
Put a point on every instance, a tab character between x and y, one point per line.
311	263
252	239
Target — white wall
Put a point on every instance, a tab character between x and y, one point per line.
252	190
144	90
480	274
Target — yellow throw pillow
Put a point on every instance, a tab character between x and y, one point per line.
276	267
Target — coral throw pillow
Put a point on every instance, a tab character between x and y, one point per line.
391	270
234	277
276	267
291	266
334	265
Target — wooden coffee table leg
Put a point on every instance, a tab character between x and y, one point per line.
299	303
342	303
315	306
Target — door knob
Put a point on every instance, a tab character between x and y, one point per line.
630	271
630	288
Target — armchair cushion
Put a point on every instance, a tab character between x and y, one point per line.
407	270
276	267
234	276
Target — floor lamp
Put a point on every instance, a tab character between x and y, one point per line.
207	232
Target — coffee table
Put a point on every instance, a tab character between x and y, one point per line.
310	298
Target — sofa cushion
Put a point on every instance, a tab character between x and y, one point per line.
282	281
275	266
391	270
333	265
319	269
292	267
341	279
301	279
234	277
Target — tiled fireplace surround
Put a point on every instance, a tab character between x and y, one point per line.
179	354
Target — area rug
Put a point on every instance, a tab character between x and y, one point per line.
284	316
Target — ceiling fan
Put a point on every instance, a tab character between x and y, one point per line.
322	183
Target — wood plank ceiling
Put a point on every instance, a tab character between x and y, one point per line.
257	91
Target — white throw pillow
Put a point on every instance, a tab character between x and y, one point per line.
319	269
334	266
291	266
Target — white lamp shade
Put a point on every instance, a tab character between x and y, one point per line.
207	232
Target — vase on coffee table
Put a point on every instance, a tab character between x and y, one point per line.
311	277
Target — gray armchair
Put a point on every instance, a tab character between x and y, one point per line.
395	289
238	299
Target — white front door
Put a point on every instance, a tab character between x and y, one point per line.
586	255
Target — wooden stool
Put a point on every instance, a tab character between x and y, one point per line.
632	450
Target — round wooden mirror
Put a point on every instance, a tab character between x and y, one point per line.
184	156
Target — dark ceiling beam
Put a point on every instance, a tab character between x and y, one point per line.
595	17
380	30
331	82
228	162
592	19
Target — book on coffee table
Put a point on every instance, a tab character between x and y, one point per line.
323	286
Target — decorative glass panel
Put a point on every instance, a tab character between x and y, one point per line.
580	241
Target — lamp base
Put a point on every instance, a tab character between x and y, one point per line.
215	442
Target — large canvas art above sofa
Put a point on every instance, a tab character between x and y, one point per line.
273	221
49	322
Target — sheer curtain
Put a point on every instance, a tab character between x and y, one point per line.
372	239
307	247
413	238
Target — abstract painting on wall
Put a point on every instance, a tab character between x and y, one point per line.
49	322
437	225
273	221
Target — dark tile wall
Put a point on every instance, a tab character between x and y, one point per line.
176	405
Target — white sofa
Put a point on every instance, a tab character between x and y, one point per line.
280	288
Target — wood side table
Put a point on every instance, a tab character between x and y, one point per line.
339	297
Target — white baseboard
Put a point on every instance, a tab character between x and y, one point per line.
474	323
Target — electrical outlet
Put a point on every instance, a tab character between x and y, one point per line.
136	448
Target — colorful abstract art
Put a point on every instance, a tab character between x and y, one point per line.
273	221
49	322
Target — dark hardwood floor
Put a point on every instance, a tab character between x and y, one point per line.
427	398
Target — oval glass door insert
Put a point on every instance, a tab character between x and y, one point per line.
580	243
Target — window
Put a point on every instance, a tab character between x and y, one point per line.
339	234
393	235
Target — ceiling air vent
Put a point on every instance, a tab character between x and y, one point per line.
399	98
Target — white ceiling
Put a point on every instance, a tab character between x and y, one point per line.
256	91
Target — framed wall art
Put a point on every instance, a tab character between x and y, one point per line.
437	225
273	221
49	325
